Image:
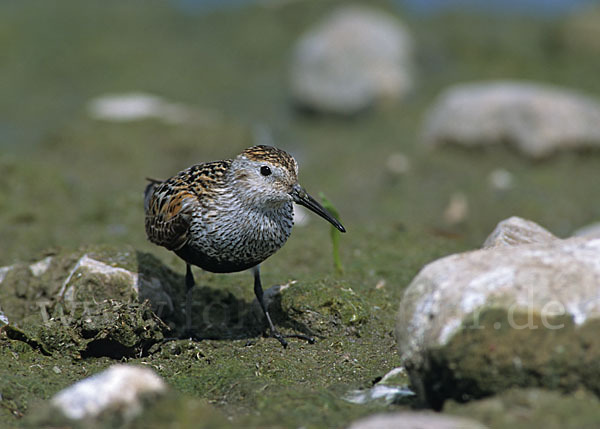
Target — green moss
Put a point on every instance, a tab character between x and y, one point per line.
526	408
325	304
533	354
29	376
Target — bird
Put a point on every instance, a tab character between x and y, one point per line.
229	216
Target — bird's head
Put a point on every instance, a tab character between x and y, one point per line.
268	176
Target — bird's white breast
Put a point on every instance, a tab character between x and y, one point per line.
229	231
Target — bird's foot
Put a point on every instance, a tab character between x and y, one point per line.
282	338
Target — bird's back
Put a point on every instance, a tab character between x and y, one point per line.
170	205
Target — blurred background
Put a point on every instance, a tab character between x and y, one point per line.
435	117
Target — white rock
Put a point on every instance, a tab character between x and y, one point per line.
398	163
355	57
4	271
501	179
542	275
537	119
40	267
119	388
592	230
3	318
379	392
457	209
415	420
515	231
145	287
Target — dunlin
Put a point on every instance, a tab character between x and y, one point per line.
230	215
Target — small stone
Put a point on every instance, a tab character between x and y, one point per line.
398	163
591	231
120	388
515	231
457	209
56	369
414	420
4	271
40	267
395	376
136	106
501	179
270	294
392	388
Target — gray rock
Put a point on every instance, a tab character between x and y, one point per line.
415	420
515	231
537	119
87	273
119	389
522	300
501	179
590	231
354	58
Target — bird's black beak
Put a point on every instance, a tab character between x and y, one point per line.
300	196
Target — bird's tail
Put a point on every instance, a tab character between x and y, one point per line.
149	191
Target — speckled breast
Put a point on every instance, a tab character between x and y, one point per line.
234	240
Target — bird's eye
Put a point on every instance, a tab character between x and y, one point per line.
265	171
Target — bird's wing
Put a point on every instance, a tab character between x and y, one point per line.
170	205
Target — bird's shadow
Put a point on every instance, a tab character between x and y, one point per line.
216	314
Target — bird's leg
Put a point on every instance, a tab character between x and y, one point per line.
189	286
258	291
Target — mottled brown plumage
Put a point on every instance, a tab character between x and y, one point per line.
169	205
230	215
